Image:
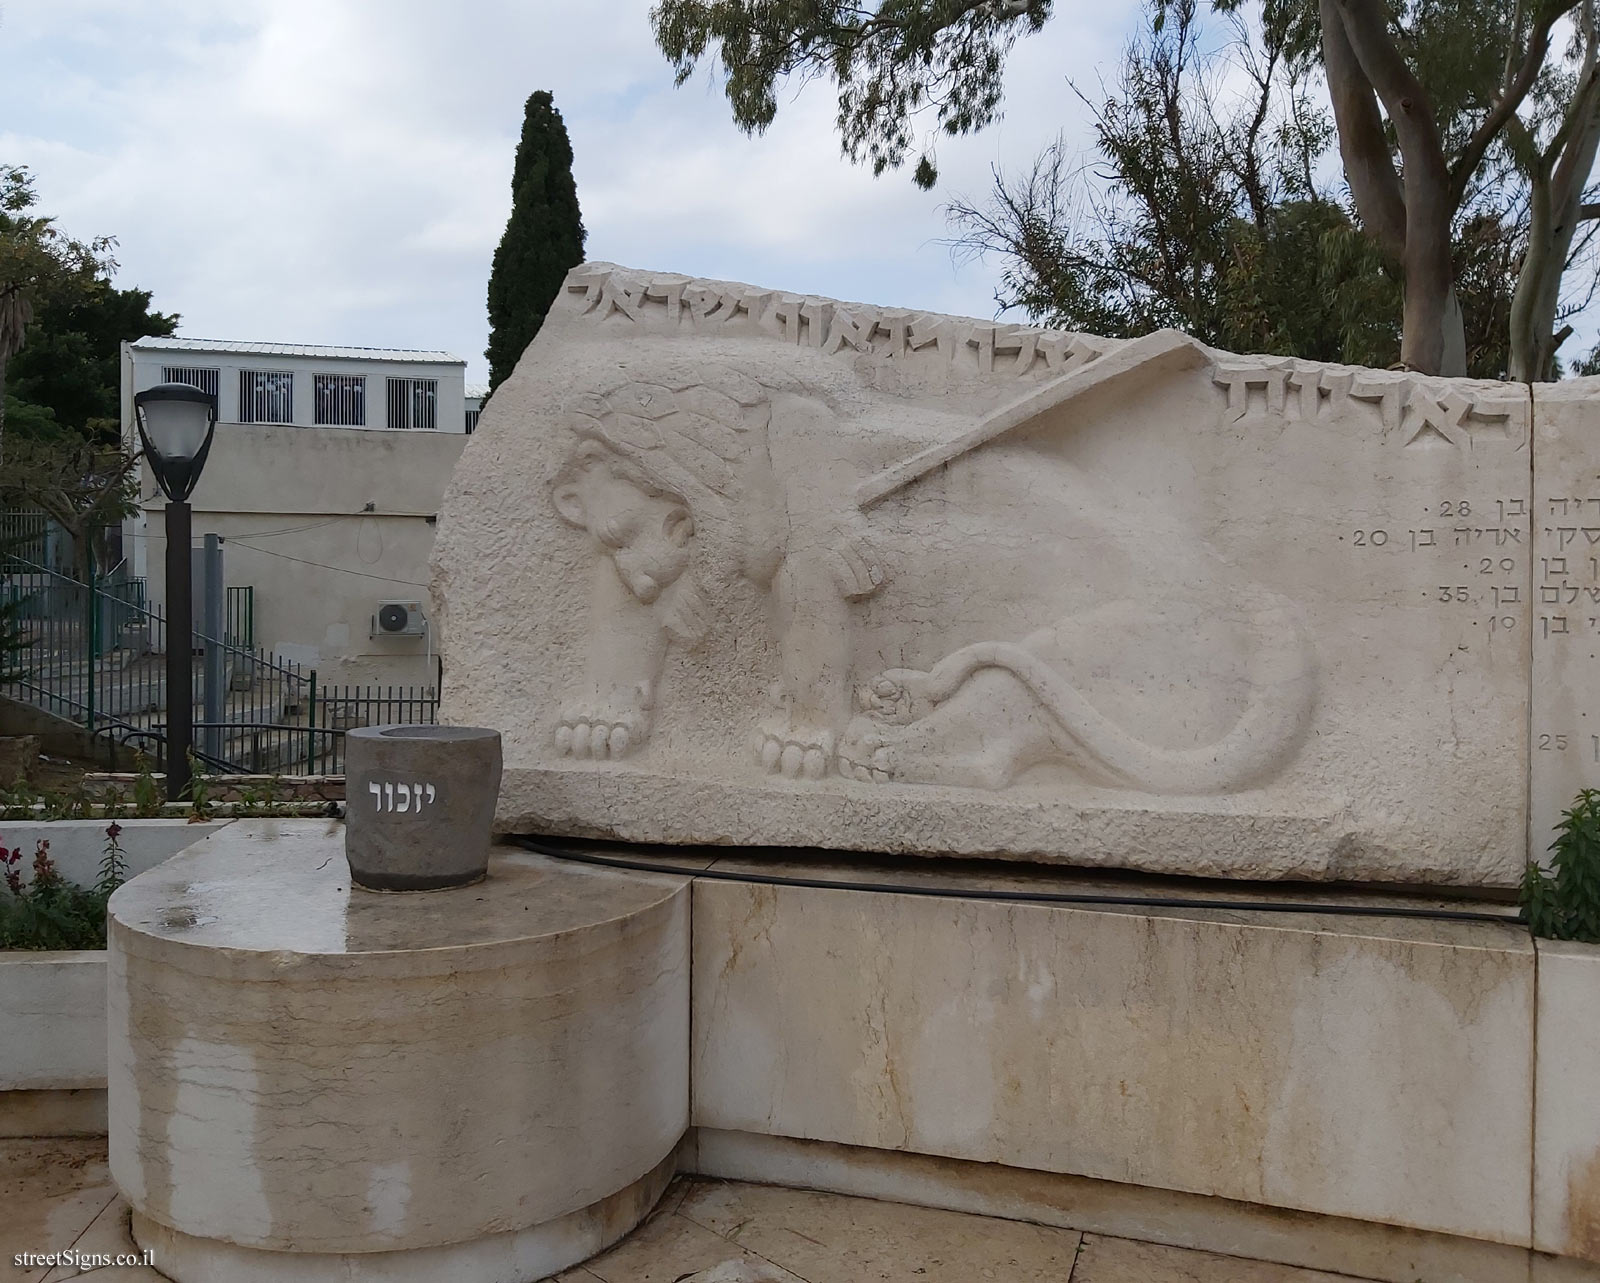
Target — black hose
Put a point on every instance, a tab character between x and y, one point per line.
541	847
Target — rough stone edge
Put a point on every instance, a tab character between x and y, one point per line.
643	806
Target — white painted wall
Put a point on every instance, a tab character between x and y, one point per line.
325	523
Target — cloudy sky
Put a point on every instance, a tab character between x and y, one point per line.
337	171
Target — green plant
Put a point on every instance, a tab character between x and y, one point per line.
199	792
1563	902
112	802
113	870
49	912
146	796
72	804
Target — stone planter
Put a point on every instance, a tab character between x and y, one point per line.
78	846
53	1004
52	1020
419	805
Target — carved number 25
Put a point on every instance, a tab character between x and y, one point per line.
1557	742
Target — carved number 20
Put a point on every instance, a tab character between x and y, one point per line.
1371	538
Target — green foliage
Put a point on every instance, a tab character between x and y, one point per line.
1563	903
1203	211
86	486
891	60
35	260
49	912
65	381
199	791
543	239
146	795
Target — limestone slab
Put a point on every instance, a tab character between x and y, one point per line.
1567	1118
52	1019
1327	1068
1120	1260
825	1238
728	564
670	1249
1565	744
72	1112
1361	1249
51	1190
298	1066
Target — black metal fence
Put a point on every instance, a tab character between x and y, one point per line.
95	655
335	709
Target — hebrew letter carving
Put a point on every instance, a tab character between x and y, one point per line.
377	793
405	799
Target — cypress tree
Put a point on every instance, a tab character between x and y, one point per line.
543	238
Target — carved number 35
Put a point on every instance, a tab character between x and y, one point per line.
1458	593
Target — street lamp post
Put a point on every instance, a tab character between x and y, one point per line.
176	422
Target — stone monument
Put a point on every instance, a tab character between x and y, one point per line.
420	805
734	565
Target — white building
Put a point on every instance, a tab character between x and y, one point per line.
323	480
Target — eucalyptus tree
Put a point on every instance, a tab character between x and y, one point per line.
1421	92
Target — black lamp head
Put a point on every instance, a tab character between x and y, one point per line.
176	422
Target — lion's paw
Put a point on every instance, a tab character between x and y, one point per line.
795	751
864	751
605	728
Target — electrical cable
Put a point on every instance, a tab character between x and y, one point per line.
542	847
267	552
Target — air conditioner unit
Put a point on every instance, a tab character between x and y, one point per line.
399	619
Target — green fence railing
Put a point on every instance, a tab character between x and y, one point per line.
95	655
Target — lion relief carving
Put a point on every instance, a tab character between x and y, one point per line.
686	479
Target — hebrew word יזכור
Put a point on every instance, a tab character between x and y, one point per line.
402	799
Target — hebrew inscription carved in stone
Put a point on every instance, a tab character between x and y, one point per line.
401	798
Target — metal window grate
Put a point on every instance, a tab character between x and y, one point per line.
207	380
472	421
413	403
339	400
266	396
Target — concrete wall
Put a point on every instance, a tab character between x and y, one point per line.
78	846
325	524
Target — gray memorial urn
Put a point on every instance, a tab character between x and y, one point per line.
419	805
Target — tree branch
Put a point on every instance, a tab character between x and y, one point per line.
1517	88
1364	148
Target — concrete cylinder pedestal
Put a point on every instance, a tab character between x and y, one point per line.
311	1081
420	802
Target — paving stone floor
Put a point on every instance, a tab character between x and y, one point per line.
56	1194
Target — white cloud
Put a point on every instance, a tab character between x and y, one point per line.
338	170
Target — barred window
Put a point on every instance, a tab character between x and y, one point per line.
207	380
339	400
472	421
412	403
266	396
